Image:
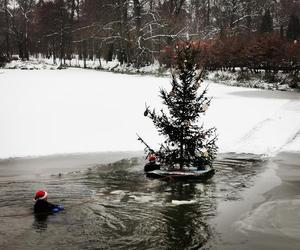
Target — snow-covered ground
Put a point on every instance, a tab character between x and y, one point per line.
47	112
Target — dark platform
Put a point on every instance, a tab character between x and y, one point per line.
181	175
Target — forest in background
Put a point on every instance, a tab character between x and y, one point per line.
251	34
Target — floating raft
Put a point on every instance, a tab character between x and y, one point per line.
181	175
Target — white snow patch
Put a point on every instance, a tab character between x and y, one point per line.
142	199
118	192
183	202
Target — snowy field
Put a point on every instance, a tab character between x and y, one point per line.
66	111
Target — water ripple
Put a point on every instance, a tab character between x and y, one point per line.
116	207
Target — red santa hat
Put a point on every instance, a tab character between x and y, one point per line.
152	157
40	195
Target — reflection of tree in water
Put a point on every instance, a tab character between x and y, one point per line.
144	216
187	225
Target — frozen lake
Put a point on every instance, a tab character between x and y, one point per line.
67	111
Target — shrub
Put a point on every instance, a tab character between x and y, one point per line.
3	60
243	76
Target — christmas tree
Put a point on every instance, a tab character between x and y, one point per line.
187	144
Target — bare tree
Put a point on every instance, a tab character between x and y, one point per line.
4	8
134	31
25	8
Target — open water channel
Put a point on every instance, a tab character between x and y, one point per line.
114	206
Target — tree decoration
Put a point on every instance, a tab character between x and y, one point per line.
186	143
187	123
204	152
198	83
205	107
172	93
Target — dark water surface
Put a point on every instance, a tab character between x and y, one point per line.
114	206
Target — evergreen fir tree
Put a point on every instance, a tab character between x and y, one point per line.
267	23
187	144
293	30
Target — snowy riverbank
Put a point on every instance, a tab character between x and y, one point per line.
111	66
280	81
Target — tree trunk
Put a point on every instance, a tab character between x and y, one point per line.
62	32
208	13
138	33
84	53
7	31
61	45
20	47
70	40
26	53
53	52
